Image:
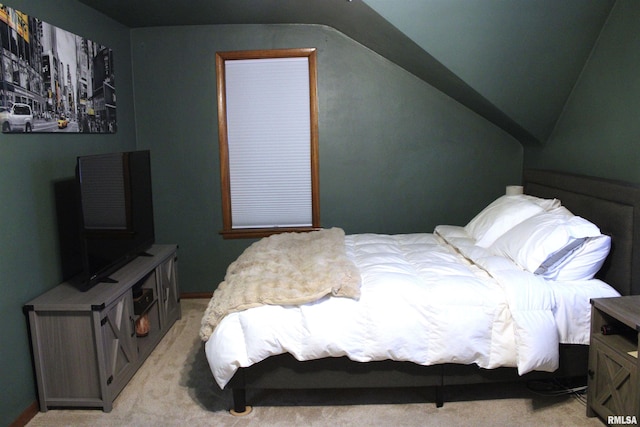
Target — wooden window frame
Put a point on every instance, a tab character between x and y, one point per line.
225	178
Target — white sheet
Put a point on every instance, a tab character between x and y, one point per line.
421	301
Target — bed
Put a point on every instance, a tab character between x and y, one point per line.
522	325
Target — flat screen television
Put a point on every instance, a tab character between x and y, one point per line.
116	212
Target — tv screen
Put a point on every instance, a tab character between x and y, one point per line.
116	211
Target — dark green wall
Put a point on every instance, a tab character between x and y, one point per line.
29	165
395	154
599	131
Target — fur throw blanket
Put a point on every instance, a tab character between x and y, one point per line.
284	269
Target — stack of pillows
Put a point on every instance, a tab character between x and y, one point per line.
541	236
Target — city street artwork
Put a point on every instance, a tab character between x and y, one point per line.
52	80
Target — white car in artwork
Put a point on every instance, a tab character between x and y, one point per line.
16	118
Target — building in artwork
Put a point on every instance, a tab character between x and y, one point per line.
21	60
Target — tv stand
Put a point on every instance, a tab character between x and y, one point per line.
85	346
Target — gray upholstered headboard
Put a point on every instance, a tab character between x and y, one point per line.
614	206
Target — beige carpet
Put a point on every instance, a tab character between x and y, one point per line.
174	388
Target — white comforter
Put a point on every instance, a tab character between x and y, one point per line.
422	300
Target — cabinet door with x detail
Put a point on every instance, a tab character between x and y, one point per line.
615	386
169	292
119	343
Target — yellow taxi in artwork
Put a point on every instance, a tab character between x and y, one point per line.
62	122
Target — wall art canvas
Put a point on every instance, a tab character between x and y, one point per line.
52	80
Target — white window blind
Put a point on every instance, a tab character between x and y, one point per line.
268	131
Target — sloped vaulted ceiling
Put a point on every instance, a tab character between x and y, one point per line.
523	56
514	62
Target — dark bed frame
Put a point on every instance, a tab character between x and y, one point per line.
613	205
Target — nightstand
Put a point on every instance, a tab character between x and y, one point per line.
613	391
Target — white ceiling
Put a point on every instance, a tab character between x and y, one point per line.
514	62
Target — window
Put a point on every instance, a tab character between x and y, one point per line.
268	134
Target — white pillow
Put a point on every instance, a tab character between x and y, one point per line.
448	231
556	259
583	263
537	238
546	204
497	218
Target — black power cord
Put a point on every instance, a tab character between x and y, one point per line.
555	387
